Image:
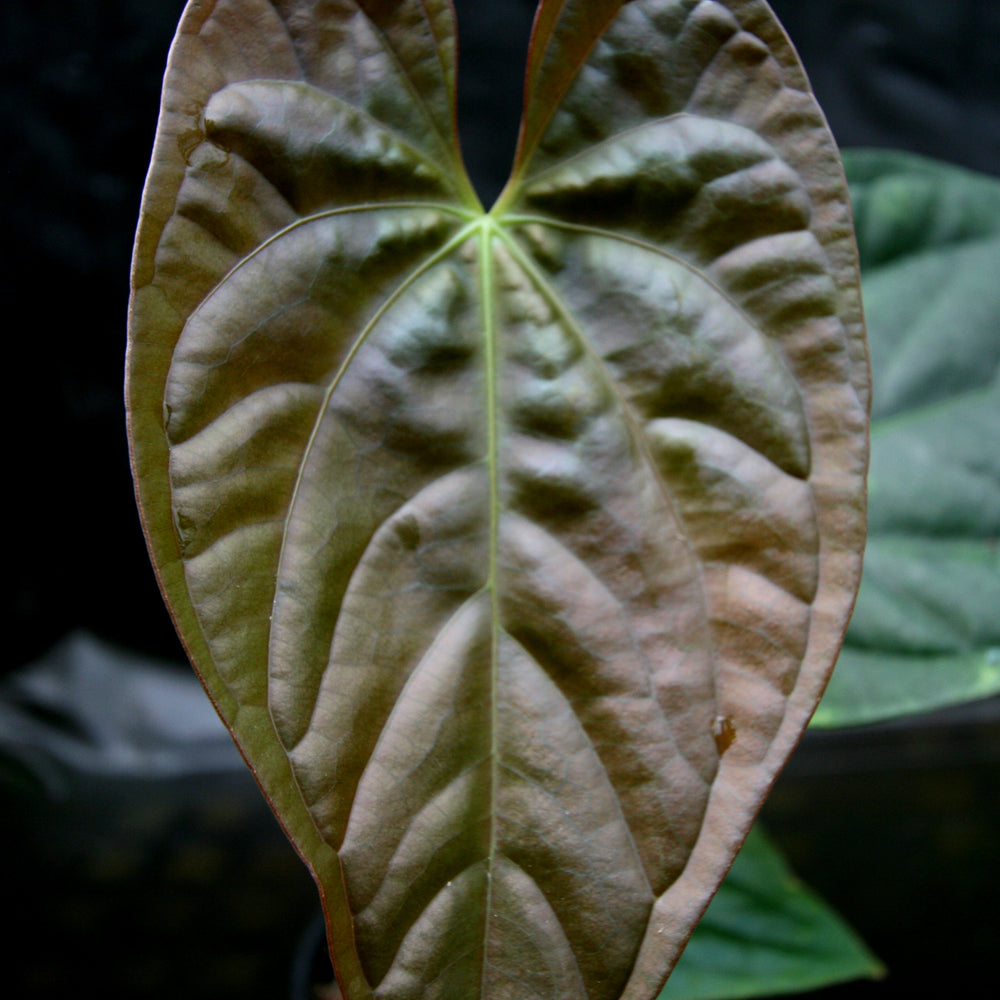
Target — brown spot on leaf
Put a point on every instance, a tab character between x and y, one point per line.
724	732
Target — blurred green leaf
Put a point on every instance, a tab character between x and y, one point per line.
766	933
926	630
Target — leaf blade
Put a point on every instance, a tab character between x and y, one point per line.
433	536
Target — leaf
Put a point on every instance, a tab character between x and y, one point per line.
765	933
514	548
926	631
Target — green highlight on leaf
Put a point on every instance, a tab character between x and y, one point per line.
926	629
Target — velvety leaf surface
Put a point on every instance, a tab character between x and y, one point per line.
514	548
765	933
926	630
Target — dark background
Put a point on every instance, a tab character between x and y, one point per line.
153	887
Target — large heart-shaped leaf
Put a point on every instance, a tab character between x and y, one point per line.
926	631
514	548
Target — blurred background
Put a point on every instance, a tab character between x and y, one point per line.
136	855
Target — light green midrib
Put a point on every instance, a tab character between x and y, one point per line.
486	234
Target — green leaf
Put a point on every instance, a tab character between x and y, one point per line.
514	548
926	631
764	934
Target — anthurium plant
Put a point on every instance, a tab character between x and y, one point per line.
515	547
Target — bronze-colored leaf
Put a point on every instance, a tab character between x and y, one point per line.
515	548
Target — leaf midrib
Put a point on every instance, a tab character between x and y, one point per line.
487	232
